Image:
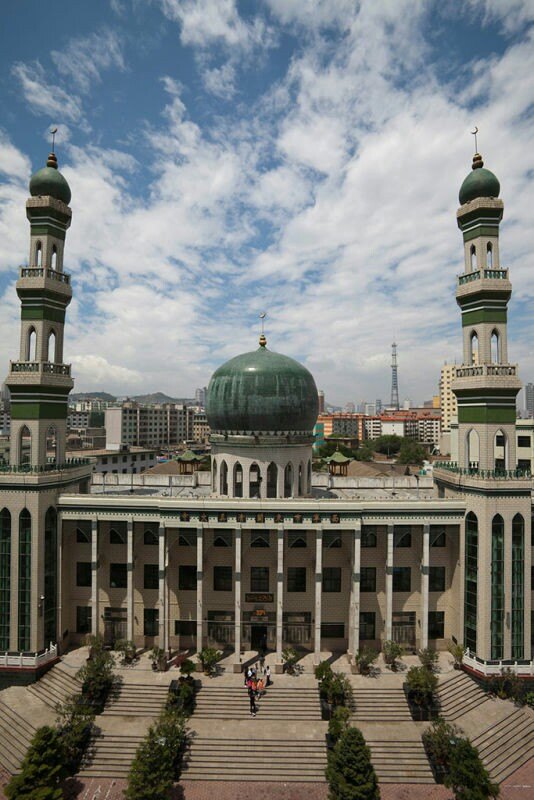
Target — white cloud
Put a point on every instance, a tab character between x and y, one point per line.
205	22
220	81
43	96
84	59
13	163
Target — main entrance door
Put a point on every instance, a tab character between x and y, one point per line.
258	637
404	628
114	625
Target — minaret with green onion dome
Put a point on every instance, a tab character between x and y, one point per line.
40	381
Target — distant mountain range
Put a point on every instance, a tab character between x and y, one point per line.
154	397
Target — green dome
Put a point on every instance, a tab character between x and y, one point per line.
479	183
262	391
49	182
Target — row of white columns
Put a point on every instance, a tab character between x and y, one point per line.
354	606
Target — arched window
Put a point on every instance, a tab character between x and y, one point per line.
473	450
473	348
473	253
5	579
223	478
25	446
288	480
214	475
500	455
259	539
272	479
489	256
50	578
497	587
117	536
254	481
53	260
51	445
25	579
471	578
238	480
301	470
495	346
31	354
52	347
38	254
518	586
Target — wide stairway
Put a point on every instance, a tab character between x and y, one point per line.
374	704
507	745
110	756
400	761
231	702
55	686
136	700
253	759
458	695
15	736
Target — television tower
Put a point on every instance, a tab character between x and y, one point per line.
394	378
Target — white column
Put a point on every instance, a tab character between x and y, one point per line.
318	592
389	584
94	578
354	613
130	582
279	593
237	589
200	575
59	588
163	638
425	568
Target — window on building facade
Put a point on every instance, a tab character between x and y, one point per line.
185	627
25	577
401	579
296	579
150	576
83	573
150	537
331	539
150	622
436	579
497	587
83	534
187	538
117	576
523	441
368	579
259	579
260	539
367	625
5	578
332	630
222	538
369	537
331	579
518	586
117	536
436	624
187	577
297	539
524	464
471	577
222	579
402	536
438	537
83	619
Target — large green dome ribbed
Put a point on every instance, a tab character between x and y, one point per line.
49	182
479	183
262	391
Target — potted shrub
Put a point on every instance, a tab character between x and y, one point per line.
208	657
159	659
421	685
323	671
392	651
290	658
339	690
428	658
187	668
363	661
127	649
457	652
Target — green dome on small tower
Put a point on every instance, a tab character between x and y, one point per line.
49	182
262	391
479	183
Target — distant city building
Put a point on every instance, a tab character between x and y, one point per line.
118	462
77	419
200	396
448	403
321	402
350	408
201	429
421	424
160	426
407	404
529	399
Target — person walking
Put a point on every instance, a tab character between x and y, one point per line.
267	673
252	698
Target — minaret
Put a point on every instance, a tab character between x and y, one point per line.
494	553
39	381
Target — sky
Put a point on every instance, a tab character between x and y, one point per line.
298	157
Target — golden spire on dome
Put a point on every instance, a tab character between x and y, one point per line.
263	340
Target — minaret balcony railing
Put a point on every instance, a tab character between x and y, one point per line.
474	472
489	274
71	463
43	367
44	272
482	370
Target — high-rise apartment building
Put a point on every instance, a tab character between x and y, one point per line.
447	399
529	399
138	425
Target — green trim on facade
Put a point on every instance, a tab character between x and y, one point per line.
19	390
484	213
485	415
36	212
44	312
38	410
49	230
484	315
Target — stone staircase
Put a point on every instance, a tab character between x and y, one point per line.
374	704
15	736
230	759
55	686
508	744
231	702
458	695
136	700
110	756
400	761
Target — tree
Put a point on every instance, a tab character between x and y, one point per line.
42	769
439	740
151	775
75	724
388	445
422	684
363	453
466	775
411	452
96	676
349	773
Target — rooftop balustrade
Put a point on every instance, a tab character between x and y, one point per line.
477	274
44	272
31	469
44	367
474	472
479	370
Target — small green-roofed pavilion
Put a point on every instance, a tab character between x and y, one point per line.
188	462
337	463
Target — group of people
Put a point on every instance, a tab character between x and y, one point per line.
257	679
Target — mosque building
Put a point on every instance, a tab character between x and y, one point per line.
260	558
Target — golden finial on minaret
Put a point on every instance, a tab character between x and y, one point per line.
263	340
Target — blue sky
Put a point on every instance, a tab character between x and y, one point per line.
301	157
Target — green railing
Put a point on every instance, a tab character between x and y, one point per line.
30	469
475	472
